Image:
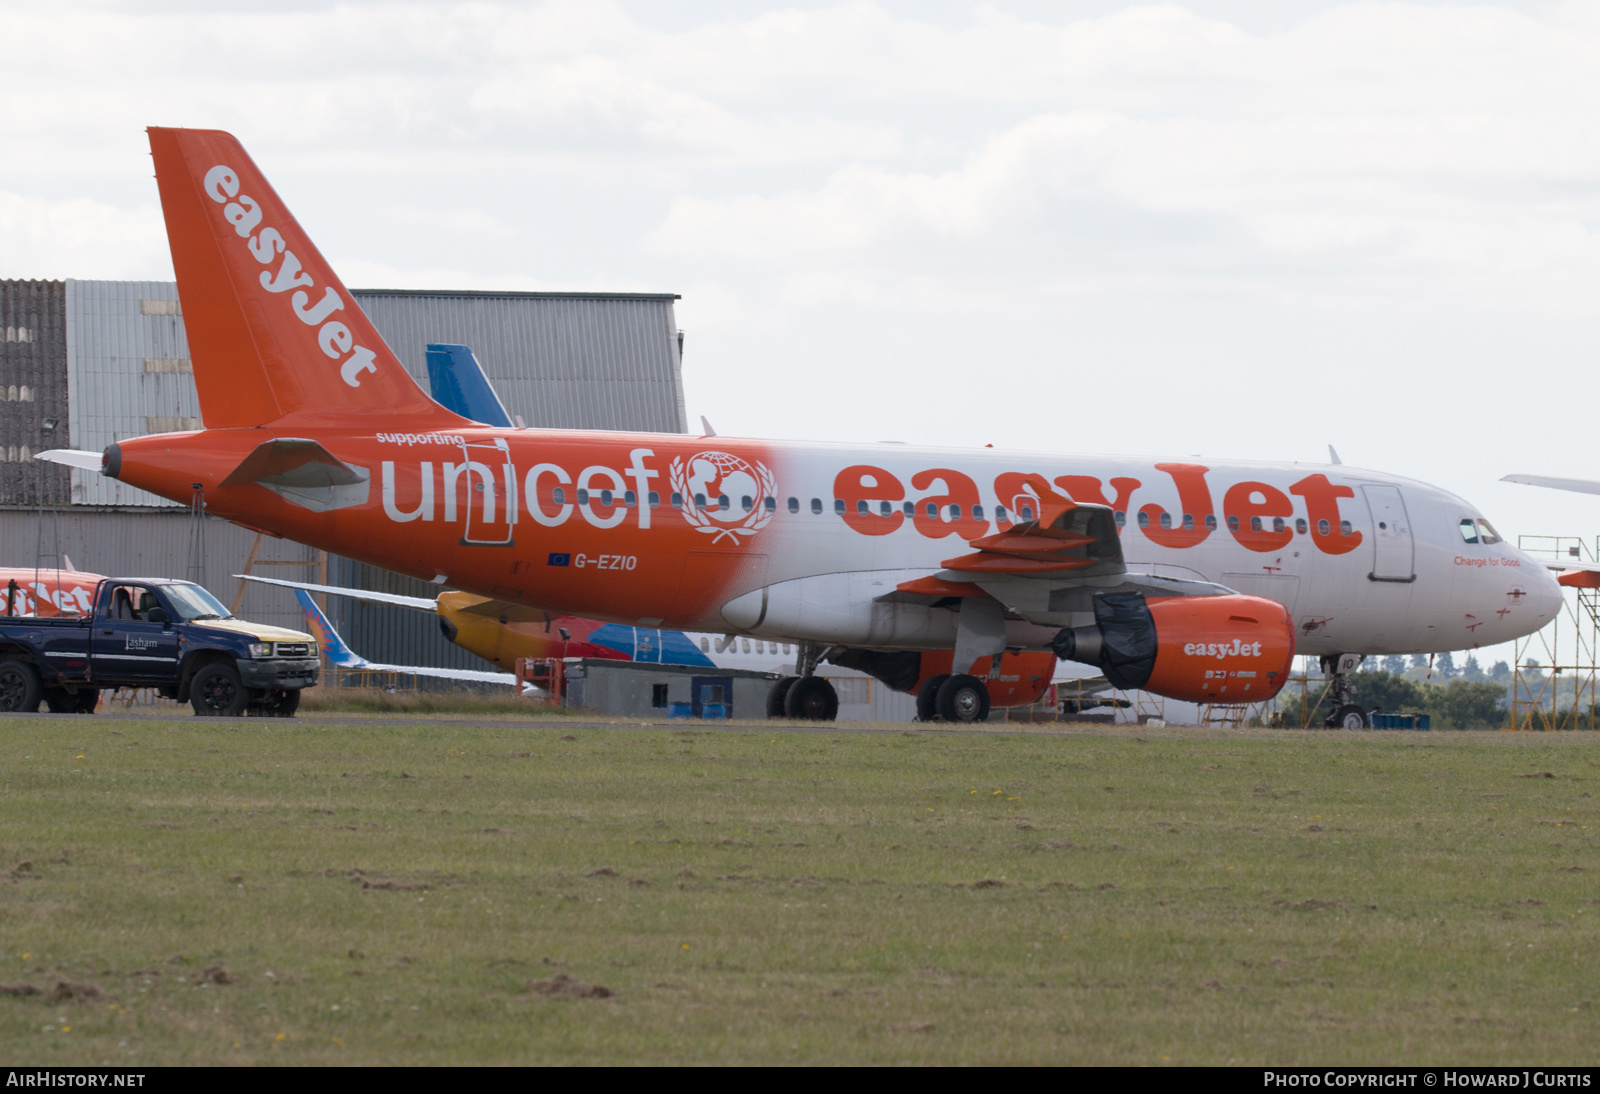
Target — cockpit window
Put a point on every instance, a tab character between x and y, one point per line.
1469	530
1486	532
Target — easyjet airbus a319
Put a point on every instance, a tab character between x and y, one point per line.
923	566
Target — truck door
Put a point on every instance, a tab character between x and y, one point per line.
132	636
1391	534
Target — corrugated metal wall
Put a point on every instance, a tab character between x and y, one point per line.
33	390
560	360
127	375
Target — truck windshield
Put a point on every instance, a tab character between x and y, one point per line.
191	602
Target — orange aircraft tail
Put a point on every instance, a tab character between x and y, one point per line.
272	331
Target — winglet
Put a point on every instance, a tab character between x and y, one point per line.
705	425
333	649
1333	456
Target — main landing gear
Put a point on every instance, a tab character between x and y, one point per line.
807	697
958	698
1345	714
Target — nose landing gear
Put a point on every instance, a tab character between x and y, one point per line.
1342	693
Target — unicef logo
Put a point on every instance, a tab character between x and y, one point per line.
723	495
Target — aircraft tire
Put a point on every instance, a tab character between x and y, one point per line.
962	698
777	694
928	698
19	688
811	699
1348	716
217	692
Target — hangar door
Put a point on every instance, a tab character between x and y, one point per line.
1391	534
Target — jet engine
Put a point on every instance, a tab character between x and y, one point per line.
1201	649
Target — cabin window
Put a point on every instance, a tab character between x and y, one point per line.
911	509
786	647
1121	517
1144	519
1211	522
955	512
559	496
1233	524
885	509
1255	524
1277	524
1000	513
699	501
838	506
977	512
794	505
1027	512
933	509
583	496
816	505
655	500
747	503
605	497
1344	528
629	499
1300	525
747	645
1188	522
1323	528
1166	520
705	645
771	504
1487	533
677	500
723	503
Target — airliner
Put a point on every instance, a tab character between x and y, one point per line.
1197	580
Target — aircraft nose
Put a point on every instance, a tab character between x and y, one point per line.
1547	595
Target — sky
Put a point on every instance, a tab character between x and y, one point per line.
1232	229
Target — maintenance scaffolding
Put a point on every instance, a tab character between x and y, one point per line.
1557	690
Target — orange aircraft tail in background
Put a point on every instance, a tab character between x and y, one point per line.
243	276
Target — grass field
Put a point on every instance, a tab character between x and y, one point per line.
356	891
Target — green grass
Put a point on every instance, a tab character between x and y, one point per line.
387	892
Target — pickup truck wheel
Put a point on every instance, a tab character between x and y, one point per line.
280	703
19	688
88	700
217	691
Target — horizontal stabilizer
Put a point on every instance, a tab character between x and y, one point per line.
72	457
304	472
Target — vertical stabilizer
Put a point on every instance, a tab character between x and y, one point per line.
457	383
272	331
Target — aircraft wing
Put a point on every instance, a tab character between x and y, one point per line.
417	603
1576	486
342	656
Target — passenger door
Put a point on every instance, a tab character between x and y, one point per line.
1393	551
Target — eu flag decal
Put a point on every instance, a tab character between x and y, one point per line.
560	559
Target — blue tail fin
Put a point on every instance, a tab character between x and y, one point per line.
334	651
456	381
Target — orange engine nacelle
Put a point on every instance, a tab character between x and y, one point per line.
1204	649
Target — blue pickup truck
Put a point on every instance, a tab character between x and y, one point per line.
172	636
